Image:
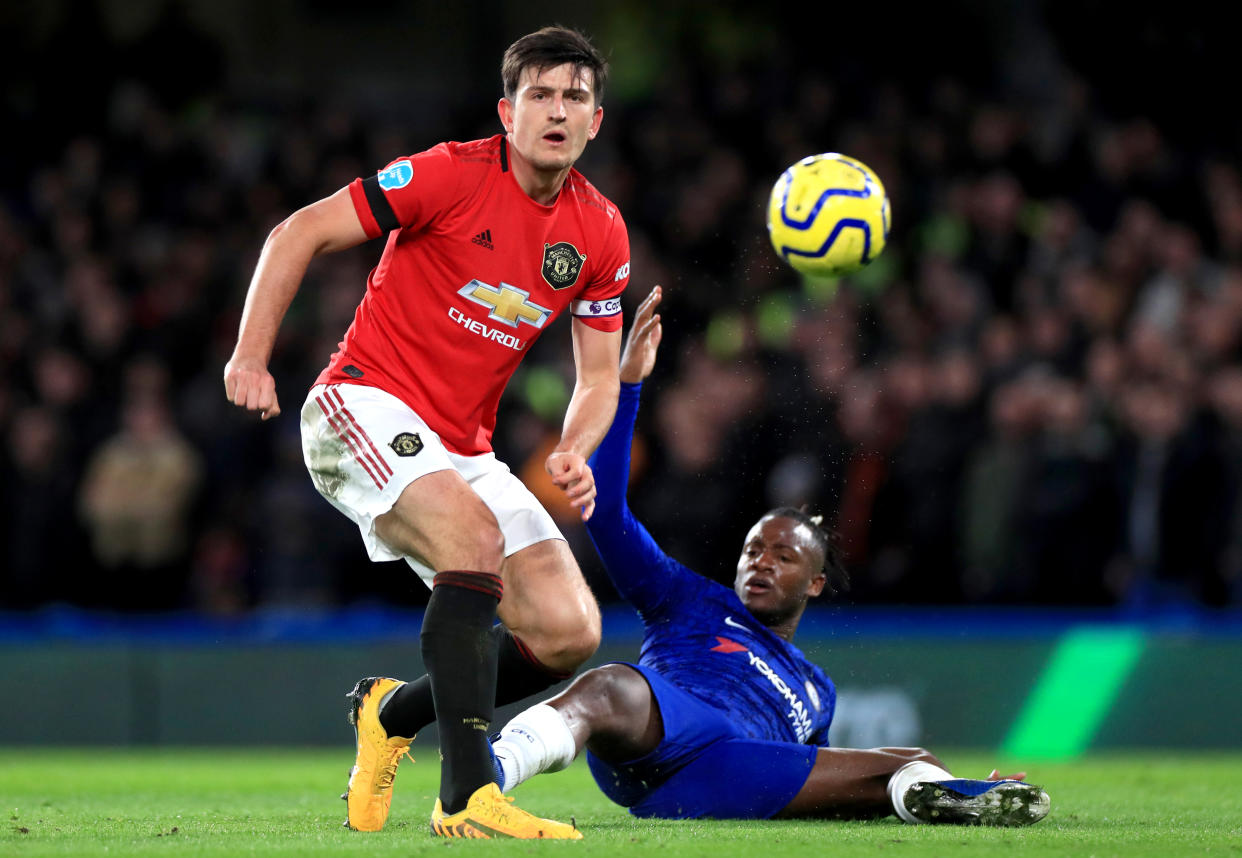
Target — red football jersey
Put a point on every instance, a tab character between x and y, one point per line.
473	272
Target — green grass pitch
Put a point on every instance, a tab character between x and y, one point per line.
70	802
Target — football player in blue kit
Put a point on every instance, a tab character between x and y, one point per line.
723	716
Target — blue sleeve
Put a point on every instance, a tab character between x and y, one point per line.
640	571
828	698
820	738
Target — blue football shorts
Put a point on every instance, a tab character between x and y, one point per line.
705	766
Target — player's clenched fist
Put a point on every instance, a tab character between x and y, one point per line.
572	475
249	385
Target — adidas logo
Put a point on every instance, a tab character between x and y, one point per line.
484	239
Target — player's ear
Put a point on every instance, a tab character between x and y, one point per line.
595	121
504	108
817	585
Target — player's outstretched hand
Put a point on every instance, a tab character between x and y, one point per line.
572	475
638	358
249	385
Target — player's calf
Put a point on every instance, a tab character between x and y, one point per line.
461	660
609	709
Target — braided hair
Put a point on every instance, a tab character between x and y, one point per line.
838	578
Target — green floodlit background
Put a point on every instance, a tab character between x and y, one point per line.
1074	692
1027	692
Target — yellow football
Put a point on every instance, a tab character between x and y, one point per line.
828	215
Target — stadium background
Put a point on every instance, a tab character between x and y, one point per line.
1024	420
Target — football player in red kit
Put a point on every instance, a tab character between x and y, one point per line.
487	242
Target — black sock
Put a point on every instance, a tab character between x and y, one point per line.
519	674
460	655
410	709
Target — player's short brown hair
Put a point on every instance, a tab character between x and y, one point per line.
548	48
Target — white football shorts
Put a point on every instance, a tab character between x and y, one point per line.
363	446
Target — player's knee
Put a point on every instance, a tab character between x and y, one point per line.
584	640
597	698
568	650
616	706
620	690
566	636
581	647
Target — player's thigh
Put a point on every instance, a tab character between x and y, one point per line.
851	782
732	779
440	520
682	732
548	604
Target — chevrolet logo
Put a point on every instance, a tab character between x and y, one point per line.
507	304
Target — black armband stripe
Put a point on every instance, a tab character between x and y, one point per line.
380	208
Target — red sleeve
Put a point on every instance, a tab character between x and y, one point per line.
408	193
599	304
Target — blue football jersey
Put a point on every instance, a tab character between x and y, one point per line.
696	632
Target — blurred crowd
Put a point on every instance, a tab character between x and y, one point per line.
1033	396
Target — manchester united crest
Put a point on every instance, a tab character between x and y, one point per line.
406	444
562	263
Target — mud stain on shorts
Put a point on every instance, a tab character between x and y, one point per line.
326	454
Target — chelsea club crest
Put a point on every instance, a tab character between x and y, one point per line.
562	263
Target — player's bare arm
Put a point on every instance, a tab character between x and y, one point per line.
326	226
639	357
590	413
